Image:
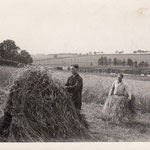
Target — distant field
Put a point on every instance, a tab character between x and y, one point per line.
85	61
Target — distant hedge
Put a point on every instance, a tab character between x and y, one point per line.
113	70
10	63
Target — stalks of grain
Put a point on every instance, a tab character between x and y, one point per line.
116	108
41	109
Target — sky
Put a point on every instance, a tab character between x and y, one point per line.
76	26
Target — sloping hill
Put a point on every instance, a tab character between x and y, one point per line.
86	61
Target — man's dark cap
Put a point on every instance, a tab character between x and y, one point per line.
75	66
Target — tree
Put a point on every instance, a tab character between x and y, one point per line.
115	61
90	53
95	53
123	62
105	61
135	52
143	64
130	62
135	64
101	61
121	52
24	57
146	64
8	50
109	61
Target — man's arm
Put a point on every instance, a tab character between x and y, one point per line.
77	86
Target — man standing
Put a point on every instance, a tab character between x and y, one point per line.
74	86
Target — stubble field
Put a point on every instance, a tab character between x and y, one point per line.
95	92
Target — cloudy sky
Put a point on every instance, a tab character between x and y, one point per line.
57	26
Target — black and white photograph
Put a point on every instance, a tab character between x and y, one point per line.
74	71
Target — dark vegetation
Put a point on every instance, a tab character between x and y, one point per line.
12	55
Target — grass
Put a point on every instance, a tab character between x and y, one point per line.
95	92
103	131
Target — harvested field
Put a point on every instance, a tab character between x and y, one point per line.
94	94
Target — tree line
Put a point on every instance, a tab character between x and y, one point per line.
10	51
104	61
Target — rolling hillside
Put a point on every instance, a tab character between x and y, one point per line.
85	61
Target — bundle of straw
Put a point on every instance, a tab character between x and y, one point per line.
42	110
116	108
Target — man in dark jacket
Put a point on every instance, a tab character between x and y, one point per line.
74	86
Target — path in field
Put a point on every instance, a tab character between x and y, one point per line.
138	131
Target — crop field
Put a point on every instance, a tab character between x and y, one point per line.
95	92
85	61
